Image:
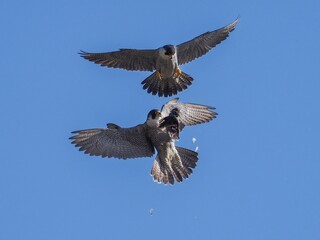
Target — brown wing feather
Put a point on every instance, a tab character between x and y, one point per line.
114	142
128	59
202	44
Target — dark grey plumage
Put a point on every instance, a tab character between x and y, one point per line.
168	79
159	132
121	142
171	125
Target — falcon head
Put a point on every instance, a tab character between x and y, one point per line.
153	119
171	124
169	50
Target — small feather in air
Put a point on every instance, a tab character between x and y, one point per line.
194	140
197	148
151	211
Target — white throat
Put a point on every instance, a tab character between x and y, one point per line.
154	123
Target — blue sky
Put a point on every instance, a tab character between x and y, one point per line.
259	161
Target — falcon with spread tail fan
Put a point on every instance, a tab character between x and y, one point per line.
159	132
167	78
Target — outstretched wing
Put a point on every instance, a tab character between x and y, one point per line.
129	59
114	142
188	113
202	44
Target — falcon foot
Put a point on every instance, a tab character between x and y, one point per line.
177	72
159	75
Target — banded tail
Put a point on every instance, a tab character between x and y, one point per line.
178	167
166	86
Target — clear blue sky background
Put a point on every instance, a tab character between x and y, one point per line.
258	172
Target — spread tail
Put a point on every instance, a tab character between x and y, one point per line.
166	86
178	167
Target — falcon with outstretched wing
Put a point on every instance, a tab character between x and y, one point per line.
159	132
167	79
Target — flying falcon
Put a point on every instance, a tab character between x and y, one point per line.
167	78
159	132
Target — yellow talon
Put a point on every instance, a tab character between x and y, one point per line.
178	71
159	75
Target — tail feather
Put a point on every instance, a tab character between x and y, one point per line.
177	168
166	86
152	85
185	79
155	87
177	174
180	171
188	157
179	87
161	173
